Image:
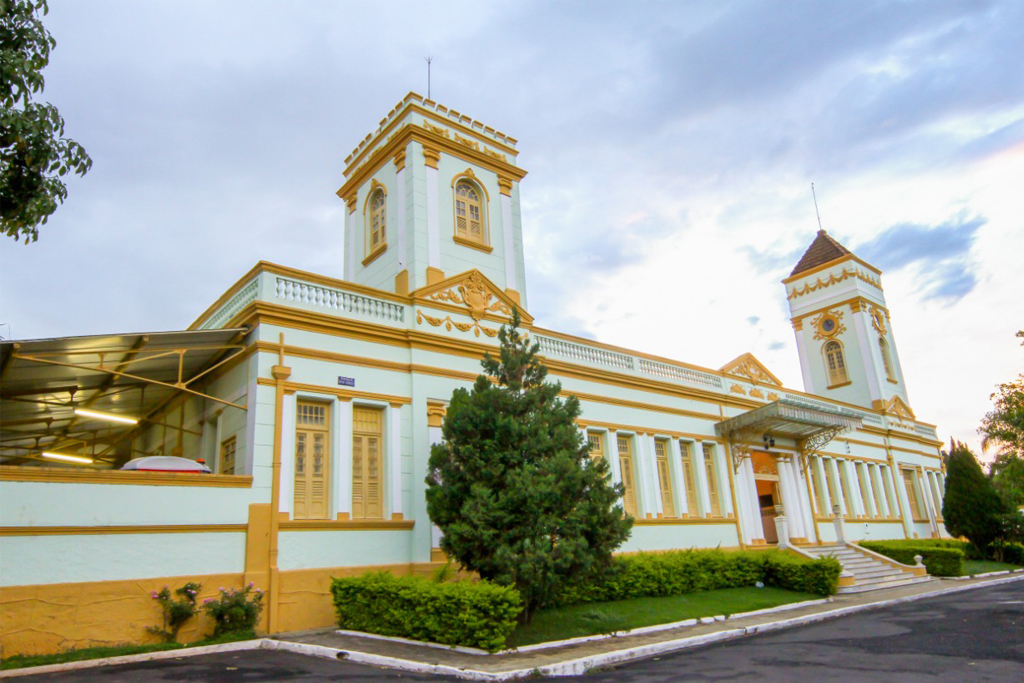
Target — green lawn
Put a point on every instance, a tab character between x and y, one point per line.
606	617
22	661
985	566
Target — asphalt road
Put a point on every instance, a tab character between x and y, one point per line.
969	637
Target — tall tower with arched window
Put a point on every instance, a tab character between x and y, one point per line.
431	194
843	329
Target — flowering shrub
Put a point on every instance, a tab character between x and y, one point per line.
176	612
235	610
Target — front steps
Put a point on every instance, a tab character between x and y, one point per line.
869	572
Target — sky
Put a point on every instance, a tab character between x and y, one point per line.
670	147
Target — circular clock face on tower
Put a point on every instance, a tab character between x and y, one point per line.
828	325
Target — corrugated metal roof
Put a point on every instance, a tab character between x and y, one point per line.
42	381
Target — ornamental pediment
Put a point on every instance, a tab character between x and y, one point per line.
468	295
896	407
749	367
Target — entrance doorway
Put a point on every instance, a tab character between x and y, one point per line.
766	479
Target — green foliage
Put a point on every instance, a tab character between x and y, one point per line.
34	154
468	613
679	572
971	508
512	486
939	560
175	611
235	610
1005	551
1003	428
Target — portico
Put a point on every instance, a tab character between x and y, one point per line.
770	448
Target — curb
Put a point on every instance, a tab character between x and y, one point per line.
566	668
257	644
640	630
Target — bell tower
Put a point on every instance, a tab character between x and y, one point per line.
843	330
430	194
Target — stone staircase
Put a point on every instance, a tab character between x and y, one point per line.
869	572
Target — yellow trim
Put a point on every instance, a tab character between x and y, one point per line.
682	521
434	275
335	391
831	264
473	180
68	476
373	255
346	525
487	249
841	384
839	304
121	529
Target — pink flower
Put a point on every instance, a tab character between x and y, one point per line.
207	600
251	584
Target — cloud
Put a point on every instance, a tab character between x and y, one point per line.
754	320
941	253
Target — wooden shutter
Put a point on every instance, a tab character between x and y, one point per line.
664	478
692	504
367	447
227	456
626	468
596	443
709	467
915	501
311	460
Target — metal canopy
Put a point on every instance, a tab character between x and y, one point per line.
43	381
811	426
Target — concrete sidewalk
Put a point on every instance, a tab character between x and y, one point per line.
577	658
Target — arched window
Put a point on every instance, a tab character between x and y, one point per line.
377	221
835	363
470	224
886	359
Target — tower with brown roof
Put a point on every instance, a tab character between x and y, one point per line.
843	329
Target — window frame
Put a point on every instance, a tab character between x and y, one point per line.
370	251
382	471
835	364
627	472
664	470
689	479
233	442
483	198
309	500
715	508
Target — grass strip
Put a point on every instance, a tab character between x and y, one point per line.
621	615
23	661
972	567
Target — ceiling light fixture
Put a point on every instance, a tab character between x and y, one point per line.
68	458
106	416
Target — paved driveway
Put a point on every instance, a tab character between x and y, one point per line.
969	637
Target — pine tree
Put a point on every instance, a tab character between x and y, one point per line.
512	486
971	508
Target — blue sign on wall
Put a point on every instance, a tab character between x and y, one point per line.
346	381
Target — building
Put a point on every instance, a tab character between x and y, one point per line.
315	402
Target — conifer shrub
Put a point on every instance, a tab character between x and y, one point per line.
971	508
939	560
467	613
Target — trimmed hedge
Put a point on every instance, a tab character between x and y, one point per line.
940	556
1005	551
688	571
469	613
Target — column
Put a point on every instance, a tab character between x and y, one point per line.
757	528
724	494
613	456
864	476
837	486
217	438
395	460
511	280
403	257
341	430
679	487
433	219
701	478
651	504
855	497
351	231
435	437
875	475
868	353
790	498
287	501
745	513
821	471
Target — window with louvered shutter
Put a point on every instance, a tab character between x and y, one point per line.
227	456
596	443
377	233
836	363
664	478
469	213
626	469
914	496
692	506
312	434
367	465
713	488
